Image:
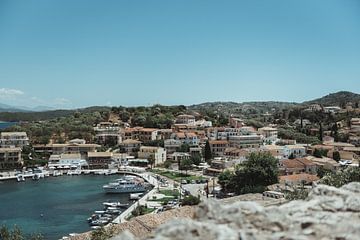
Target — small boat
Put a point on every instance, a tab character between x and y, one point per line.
135	196
20	178
99	212
115	204
36	177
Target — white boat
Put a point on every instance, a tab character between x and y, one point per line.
135	196
20	178
125	185
115	204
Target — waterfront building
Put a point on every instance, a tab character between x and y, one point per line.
130	146
10	158
60	148
98	160
13	139
67	161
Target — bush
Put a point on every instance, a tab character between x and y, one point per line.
190	200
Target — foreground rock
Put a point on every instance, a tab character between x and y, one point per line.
328	213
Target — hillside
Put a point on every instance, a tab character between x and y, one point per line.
336	99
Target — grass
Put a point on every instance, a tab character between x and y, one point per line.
177	176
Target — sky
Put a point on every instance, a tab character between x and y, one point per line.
77	53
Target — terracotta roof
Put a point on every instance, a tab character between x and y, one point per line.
218	142
299	177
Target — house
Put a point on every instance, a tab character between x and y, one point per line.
314	108
324	162
354	140
338	146
10	158
171	145
236	122
332	109
296	151
140	133
236	153
269	133
305	122
157	153
189	138
185	119
298	179
130	146
165	133
202	123
218	147
180	156
98	160
13	139
355	125
107	133
298	165
245	141
275	150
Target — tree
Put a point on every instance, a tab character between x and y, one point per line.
183	148
151	160
190	200
225	179
319	153
196	159
207	154
336	156
186	164
254	175
321	132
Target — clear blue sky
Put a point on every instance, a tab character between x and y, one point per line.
74	53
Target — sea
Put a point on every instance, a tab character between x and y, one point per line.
54	206
4	125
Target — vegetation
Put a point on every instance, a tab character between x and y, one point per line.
319	153
17	234
190	200
141	210
177	176
340	178
254	175
207	152
297	194
102	233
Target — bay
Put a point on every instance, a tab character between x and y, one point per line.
54	206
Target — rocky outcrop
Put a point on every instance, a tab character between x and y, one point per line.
327	213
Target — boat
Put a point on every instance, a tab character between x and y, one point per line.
20	178
36	177
115	204
124	186
135	196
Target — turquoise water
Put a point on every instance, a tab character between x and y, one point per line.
4	125
65	202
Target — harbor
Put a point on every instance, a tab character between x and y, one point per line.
71	198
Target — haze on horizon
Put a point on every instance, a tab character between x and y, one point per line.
68	53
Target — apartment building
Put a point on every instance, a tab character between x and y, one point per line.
10	158
13	139
245	141
157	153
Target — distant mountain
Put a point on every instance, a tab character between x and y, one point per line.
336	99
8	108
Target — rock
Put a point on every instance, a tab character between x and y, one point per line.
126	235
328	213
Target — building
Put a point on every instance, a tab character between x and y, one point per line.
185	119
297	151
269	133
10	158
13	139
98	160
180	156
69	148
236	122
245	141
140	134
218	147
189	138
298	165
171	145
157	153
298	179
130	146
67	161
355	125
107	133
